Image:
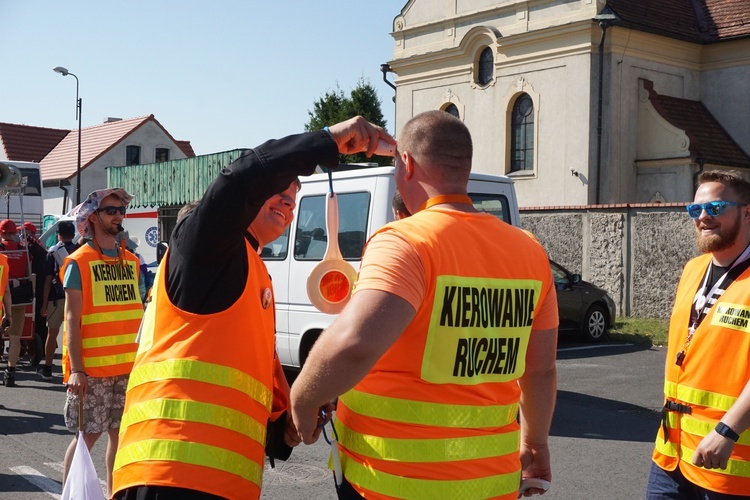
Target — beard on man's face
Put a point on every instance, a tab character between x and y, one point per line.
724	238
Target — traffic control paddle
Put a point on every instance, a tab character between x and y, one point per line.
330	283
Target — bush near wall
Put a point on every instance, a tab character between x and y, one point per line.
634	251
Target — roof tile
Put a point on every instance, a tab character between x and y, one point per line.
27	143
697	21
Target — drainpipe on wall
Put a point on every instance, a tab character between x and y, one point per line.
65	197
605	18
386	68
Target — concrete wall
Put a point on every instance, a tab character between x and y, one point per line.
635	252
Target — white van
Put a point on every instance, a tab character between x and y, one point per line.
364	198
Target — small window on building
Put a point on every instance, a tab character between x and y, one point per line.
161	154
451	109
485	67
522	134
133	155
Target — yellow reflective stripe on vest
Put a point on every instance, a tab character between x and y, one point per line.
190	453
194	411
433	414
735	467
404	487
702	428
111	316
111	360
697	427
108	341
698	397
669	448
428	450
201	371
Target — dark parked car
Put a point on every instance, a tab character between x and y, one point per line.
583	307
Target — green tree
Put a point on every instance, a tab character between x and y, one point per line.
334	107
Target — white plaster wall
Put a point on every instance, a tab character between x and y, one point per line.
562	121
629	62
732	112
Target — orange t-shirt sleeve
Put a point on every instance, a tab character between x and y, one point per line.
390	264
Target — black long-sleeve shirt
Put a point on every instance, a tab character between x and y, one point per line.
207	265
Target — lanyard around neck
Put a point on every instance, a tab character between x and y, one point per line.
445	198
701	297
105	258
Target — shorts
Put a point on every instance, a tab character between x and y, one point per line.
102	405
55	310
18	316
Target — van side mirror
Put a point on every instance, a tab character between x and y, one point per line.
576	278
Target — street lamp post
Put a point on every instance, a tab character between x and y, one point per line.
65	72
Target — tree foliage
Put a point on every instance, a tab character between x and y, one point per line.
335	106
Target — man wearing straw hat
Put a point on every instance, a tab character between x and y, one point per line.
103	310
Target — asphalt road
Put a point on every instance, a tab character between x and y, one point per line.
602	435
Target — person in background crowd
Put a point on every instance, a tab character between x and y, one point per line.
399	207
8	376
217	407
18	274
54	306
429	379
103	312
703	444
38	257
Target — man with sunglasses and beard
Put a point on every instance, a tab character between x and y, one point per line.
103	311
703	446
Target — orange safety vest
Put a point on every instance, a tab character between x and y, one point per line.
200	394
111	312
436	415
4	275
713	374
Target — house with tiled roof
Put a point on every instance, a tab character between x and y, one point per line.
115	142
584	102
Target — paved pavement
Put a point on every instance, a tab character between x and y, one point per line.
601	440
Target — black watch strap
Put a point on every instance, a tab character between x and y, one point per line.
727	431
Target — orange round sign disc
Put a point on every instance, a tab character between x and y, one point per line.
334	286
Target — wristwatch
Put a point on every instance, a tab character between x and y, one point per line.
727	431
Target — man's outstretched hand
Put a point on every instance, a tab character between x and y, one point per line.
357	135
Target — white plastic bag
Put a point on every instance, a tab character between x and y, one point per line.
82	482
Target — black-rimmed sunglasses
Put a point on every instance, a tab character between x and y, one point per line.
712	208
112	210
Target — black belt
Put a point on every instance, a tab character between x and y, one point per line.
672	406
678	407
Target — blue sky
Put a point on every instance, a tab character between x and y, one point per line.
223	74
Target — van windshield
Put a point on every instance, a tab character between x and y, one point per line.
494	204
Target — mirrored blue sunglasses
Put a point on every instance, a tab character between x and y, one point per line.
712	208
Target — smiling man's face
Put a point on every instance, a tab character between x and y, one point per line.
275	215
